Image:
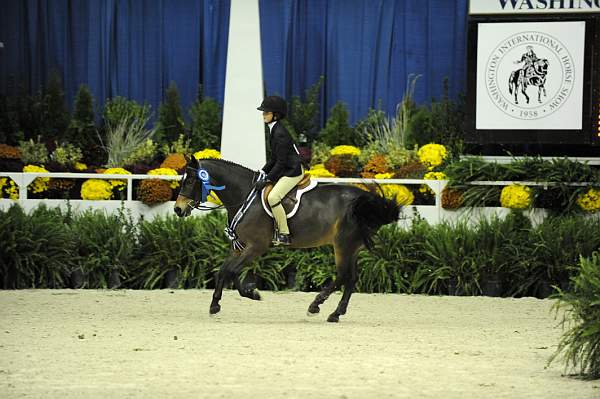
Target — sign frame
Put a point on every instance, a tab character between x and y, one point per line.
588	134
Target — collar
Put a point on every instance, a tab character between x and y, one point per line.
271	126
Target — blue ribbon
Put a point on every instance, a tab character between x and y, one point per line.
204	177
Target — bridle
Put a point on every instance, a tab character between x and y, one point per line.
203	177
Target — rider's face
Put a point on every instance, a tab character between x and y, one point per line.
267	117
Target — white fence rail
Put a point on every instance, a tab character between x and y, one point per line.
432	213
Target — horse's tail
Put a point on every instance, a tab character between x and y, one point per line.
371	211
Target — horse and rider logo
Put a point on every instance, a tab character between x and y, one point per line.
529	75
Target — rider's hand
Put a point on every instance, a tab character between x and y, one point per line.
261	184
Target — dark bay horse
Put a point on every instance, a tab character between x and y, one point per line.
330	214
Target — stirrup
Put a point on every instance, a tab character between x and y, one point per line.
282	240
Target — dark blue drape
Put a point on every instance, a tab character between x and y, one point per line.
131	48
365	49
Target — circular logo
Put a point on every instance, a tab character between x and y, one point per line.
529	75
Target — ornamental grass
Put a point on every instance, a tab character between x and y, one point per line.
579	346
152	192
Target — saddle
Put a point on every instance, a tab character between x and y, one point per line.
291	201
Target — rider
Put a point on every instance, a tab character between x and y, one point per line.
529	57
284	169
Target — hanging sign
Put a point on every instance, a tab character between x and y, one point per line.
533	6
530	75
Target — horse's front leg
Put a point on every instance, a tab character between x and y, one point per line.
229	272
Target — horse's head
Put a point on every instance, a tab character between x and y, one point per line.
204	177
541	66
191	190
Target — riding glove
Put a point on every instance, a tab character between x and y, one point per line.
261	184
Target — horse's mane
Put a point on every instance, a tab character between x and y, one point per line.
225	161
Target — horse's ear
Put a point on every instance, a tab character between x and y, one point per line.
188	158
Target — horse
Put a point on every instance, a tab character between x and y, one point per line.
344	216
534	75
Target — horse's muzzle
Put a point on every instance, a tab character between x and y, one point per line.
179	211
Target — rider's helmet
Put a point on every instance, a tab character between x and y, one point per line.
274	104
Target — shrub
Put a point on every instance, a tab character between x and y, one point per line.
33	152
82	131
170	116
66	155
205	124
117	109
303	113
337	130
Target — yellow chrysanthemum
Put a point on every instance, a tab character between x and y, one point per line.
384	175
319	170
432	155
9	187
40	184
515	196
425	189
207	153
119	184
96	189
590	201
399	192
80	166
345	150
166	171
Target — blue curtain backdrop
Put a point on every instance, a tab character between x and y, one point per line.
365	48
129	48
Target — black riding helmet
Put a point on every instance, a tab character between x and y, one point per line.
274	104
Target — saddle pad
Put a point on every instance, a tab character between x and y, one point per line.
290	207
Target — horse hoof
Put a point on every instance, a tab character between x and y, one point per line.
214	309
255	295
333	318
313	310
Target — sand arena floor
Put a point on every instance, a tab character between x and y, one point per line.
158	344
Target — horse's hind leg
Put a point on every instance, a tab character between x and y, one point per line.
349	281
